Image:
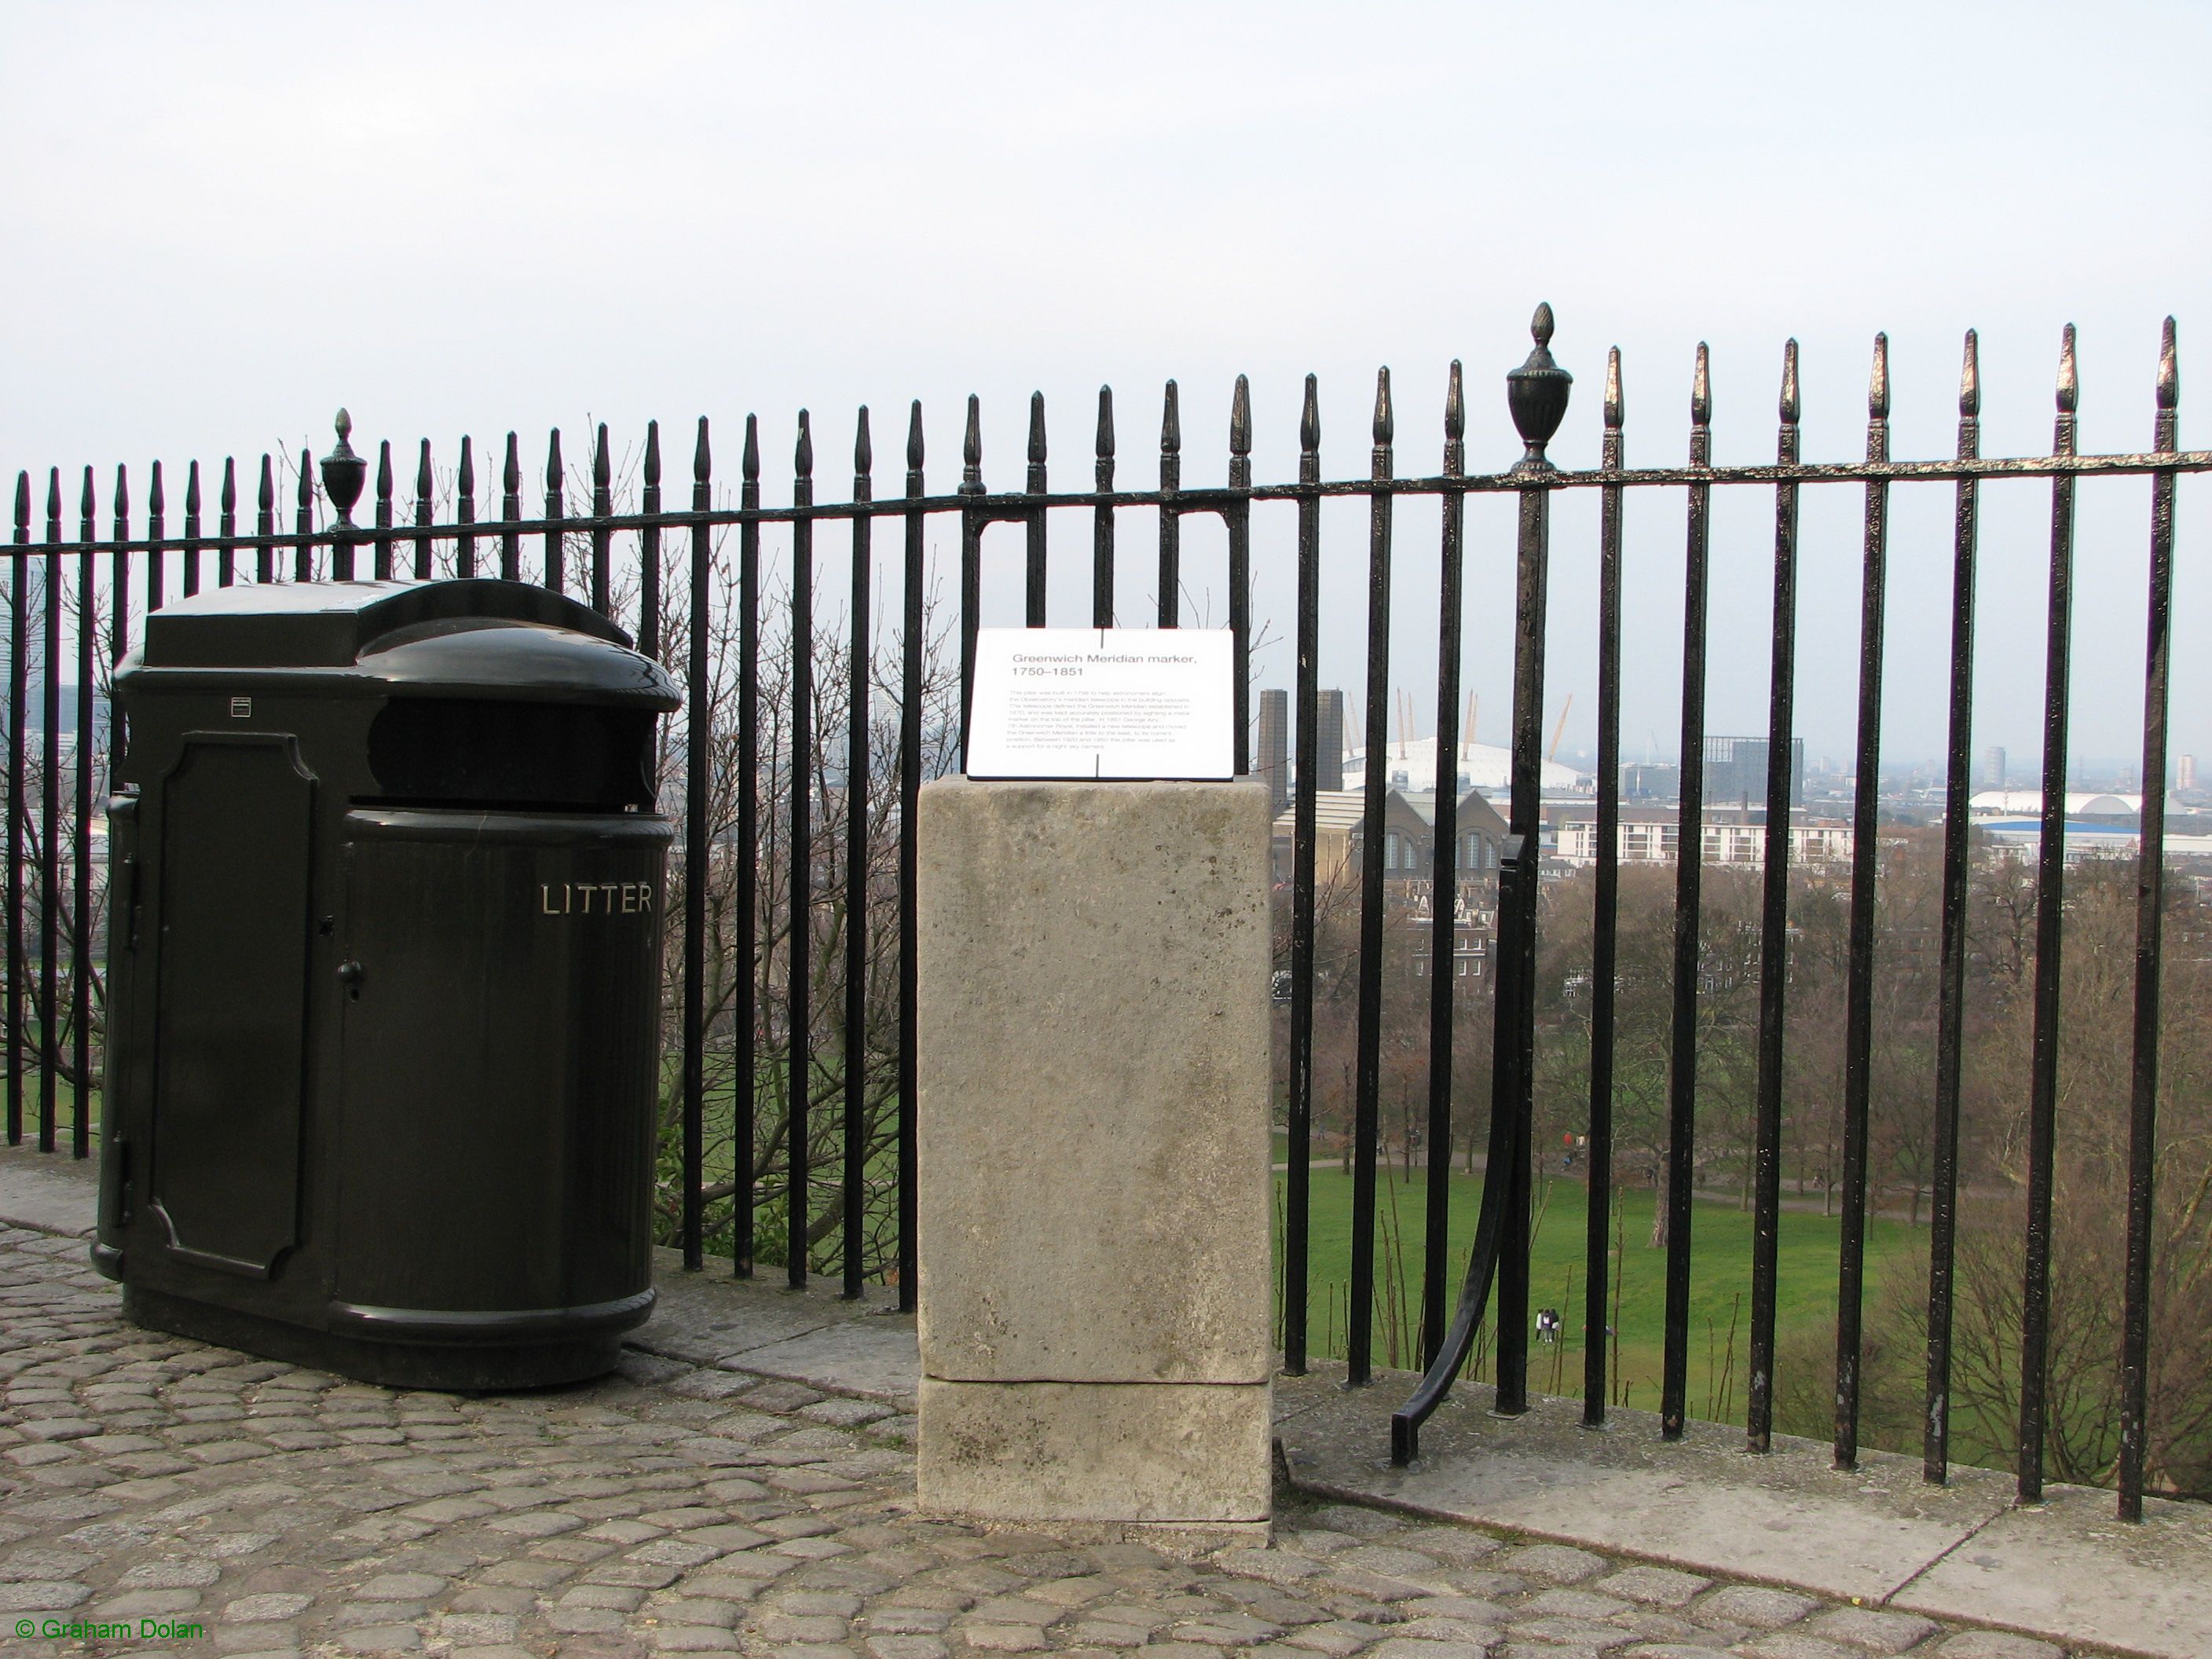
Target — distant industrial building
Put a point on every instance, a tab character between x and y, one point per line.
1993	767
1273	764
1736	771
2187	777
1329	747
1276	744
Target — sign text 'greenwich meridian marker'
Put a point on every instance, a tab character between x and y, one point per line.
1090	702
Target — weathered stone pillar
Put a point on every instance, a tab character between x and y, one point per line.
1094	1154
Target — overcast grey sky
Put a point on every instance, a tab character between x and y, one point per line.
223	220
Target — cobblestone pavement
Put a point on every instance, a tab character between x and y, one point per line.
166	1486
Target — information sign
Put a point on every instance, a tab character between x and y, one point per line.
1110	702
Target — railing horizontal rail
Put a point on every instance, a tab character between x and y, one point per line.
1011	503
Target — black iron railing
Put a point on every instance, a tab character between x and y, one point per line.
59	887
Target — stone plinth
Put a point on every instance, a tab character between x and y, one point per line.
1094	1186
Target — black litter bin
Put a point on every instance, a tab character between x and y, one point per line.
385	963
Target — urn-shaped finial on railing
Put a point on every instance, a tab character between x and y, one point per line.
343	472
1536	393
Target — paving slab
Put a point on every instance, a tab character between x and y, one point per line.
50	1192
2067	1572
2067	1564
873	1359
711	1317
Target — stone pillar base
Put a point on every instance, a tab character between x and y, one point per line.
1094	1190
1172	1453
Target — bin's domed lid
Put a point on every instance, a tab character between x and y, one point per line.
472	637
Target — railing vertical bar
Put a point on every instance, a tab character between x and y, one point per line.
858	662
1606	922
1536	394
2049	926
19	586
80	964
971	565
799	1081
745	1082
556	574
303	521
1171	609
50	851
1774	933
1298	1201
1101	518
1689	870
1858	1018
1368	1077
910	651
156	554
1443	885
192	530
425	513
464	509
119	622
698	847
2150	896
1033	584
226	556
265	522
601	538
648	551
510	539
1237	516
1951	992
384	488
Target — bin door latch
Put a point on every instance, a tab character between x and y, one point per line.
350	975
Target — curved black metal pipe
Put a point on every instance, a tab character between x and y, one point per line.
1506	1145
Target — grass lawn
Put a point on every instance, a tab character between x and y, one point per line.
1720	1283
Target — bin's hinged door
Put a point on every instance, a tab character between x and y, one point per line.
237	822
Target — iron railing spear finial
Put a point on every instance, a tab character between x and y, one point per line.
971	449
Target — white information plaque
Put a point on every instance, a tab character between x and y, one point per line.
1110	702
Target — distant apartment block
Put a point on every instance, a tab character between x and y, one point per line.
1652	837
